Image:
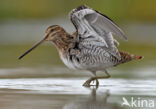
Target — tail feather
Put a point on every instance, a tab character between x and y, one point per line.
138	57
126	57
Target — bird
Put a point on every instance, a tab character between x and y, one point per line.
92	46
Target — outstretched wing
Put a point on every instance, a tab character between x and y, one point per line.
94	26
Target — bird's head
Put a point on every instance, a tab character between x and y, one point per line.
52	33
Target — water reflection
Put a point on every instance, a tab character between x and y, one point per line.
67	93
94	101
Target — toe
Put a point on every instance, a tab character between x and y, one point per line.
87	83
97	82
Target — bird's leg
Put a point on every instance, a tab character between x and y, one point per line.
107	75
94	74
87	83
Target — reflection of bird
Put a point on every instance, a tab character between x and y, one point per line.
125	102
92	47
93	102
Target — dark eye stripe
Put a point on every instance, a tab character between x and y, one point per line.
52	30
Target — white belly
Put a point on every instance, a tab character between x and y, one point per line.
67	62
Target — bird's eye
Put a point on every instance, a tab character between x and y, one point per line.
51	30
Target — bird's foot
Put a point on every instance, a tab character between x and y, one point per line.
88	82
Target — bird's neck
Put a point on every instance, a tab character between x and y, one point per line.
63	41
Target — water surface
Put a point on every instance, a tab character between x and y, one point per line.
26	88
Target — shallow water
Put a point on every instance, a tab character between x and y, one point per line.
43	93
74	86
25	88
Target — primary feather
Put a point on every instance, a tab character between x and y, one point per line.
97	28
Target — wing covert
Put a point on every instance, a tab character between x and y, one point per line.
93	26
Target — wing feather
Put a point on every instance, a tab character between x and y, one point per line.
105	23
96	27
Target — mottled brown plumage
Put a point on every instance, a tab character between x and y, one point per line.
61	39
126	57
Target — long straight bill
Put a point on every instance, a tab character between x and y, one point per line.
31	48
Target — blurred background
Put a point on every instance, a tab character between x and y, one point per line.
23	23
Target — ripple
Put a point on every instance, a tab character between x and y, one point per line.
74	86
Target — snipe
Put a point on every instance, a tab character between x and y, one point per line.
92	47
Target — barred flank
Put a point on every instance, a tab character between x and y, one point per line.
125	57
